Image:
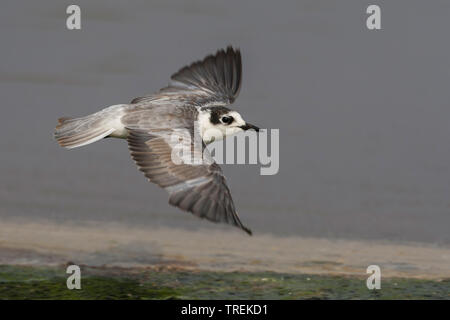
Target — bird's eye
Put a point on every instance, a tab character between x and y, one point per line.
227	119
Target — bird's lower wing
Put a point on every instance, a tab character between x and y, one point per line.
197	188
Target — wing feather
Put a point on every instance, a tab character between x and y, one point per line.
215	80
200	189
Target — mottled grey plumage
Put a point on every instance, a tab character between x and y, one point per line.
216	80
149	122
200	189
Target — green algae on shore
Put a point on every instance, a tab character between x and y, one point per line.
26	282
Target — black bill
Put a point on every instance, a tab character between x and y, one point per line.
249	126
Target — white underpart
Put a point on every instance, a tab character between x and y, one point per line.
119	130
212	132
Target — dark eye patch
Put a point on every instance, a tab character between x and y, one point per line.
227	119
217	113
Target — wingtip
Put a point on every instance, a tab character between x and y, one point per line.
228	50
249	232
230	47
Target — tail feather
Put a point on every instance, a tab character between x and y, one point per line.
76	132
63	120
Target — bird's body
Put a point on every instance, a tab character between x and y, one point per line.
194	104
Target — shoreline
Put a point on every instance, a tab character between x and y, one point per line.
114	245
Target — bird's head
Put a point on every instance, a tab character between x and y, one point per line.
219	122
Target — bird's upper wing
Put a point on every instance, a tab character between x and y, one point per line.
197	188
215	80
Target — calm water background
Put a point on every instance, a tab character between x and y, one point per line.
363	115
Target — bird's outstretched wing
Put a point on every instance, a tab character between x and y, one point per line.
214	81
197	188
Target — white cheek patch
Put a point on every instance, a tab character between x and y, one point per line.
235	126
209	131
238	121
213	132
232	130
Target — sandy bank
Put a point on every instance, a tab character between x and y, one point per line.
40	243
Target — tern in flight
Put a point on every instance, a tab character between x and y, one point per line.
195	101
